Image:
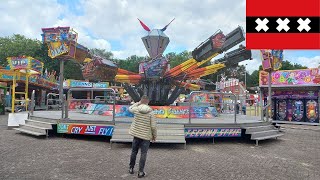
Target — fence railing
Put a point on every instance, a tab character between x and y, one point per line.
53	101
232	104
72	104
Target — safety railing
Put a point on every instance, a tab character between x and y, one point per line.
53	101
227	107
89	105
21	105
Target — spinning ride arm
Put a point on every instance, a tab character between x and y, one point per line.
213	46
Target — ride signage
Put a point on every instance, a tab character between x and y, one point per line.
57	49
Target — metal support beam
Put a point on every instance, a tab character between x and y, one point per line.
13	91
61	78
26	97
261	104
269	95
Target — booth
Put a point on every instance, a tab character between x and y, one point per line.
295	95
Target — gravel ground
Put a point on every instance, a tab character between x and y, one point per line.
296	155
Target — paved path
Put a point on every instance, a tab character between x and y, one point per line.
294	156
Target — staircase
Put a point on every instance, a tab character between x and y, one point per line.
262	131
35	127
165	134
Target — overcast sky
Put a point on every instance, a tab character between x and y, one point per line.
113	24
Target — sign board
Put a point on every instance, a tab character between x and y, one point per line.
304	77
56	49
82	84
100	85
25	63
84	129
212	132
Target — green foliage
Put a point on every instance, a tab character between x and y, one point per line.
176	59
72	70
253	79
17	45
102	53
287	65
131	63
49	63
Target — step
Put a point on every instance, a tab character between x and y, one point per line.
34	128
30	132
159	126
264	133
46	125
250	130
247	125
159	131
268	137
42	119
157	141
117	136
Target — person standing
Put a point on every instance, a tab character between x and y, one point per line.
143	129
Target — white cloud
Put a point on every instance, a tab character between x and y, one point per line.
28	17
309	62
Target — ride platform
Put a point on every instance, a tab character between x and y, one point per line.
170	130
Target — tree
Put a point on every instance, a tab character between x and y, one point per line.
102	53
49	63
131	63
17	45
176	59
72	70
287	65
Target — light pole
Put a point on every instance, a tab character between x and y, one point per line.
217	82
245	83
245	76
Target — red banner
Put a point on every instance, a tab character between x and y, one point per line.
283	24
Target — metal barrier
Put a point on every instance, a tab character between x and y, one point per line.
214	103
53	103
111	100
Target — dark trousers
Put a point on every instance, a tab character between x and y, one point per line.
144	146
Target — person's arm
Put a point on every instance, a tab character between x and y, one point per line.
153	127
134	107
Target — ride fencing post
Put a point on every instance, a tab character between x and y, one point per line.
218	93
32	104
69	95
190	104
114	105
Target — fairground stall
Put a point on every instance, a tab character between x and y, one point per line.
23	75
295	95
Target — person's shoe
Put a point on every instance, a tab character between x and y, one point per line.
131	171
141	174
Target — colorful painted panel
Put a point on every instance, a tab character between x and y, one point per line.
80	84
212	132
159	111
306	77
16	63
298	110
293	94
56	49
84	129
312	111
281	110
